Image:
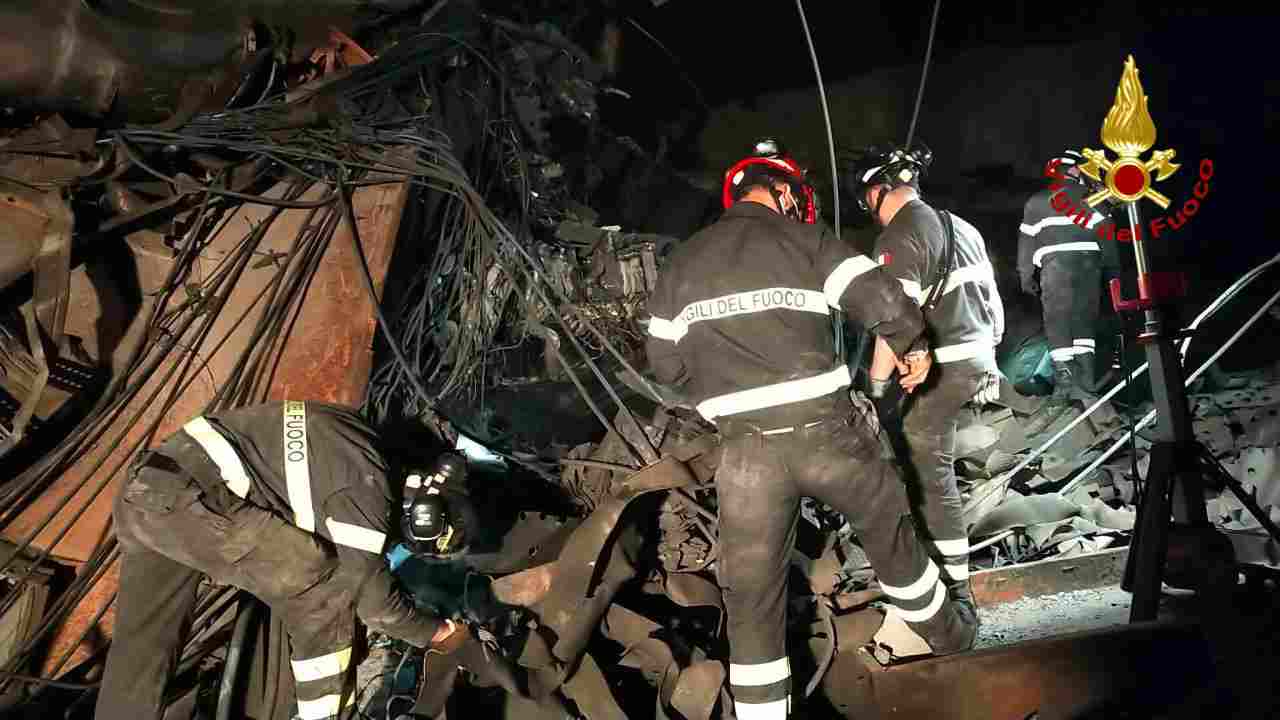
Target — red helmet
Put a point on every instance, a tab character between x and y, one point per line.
768	157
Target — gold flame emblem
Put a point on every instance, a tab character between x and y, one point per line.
1129	131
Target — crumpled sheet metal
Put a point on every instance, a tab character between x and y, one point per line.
597	560
590	690
1023	511
1055	520
692	691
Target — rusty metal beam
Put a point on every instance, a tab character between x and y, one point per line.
1153	664
1047	577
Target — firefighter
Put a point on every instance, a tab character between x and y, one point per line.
294	503
941	262
1061	262
740	320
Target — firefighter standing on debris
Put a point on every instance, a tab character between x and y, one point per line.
1061	262
941	262
294	503
740	318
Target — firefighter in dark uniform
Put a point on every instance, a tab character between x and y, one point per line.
941	262
1061	261
293	503
740	318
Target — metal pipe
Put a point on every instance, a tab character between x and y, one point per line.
826	116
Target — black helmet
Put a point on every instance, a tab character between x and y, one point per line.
429	523
884	164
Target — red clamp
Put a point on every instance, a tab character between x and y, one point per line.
1153	289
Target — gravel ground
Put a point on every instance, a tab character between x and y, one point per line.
1056	614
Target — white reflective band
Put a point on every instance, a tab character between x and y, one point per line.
664	329
221	453
322	708
1068	352
1052	220
757	674
743	303
838	281
867	175
964	351
976	273
939	595
325	707
356	536
957	572
953	547
782	393
775	710
297	471
413	481
1088	246
319	668
1084	342
921	586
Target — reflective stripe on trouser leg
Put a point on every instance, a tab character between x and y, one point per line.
321	639
323	700
843	468
759	506
921	600
931	431
761	690
1070	296
955	558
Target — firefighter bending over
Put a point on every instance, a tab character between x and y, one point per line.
741	320
294	503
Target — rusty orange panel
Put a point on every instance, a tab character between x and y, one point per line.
329	354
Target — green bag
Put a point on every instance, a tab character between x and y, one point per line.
1029	368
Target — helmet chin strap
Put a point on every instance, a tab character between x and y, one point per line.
794	213
875	213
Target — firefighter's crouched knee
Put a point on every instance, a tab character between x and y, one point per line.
310	563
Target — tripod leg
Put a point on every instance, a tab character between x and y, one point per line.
1144	568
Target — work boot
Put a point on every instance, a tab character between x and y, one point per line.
1058	404
1086	391
962	595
